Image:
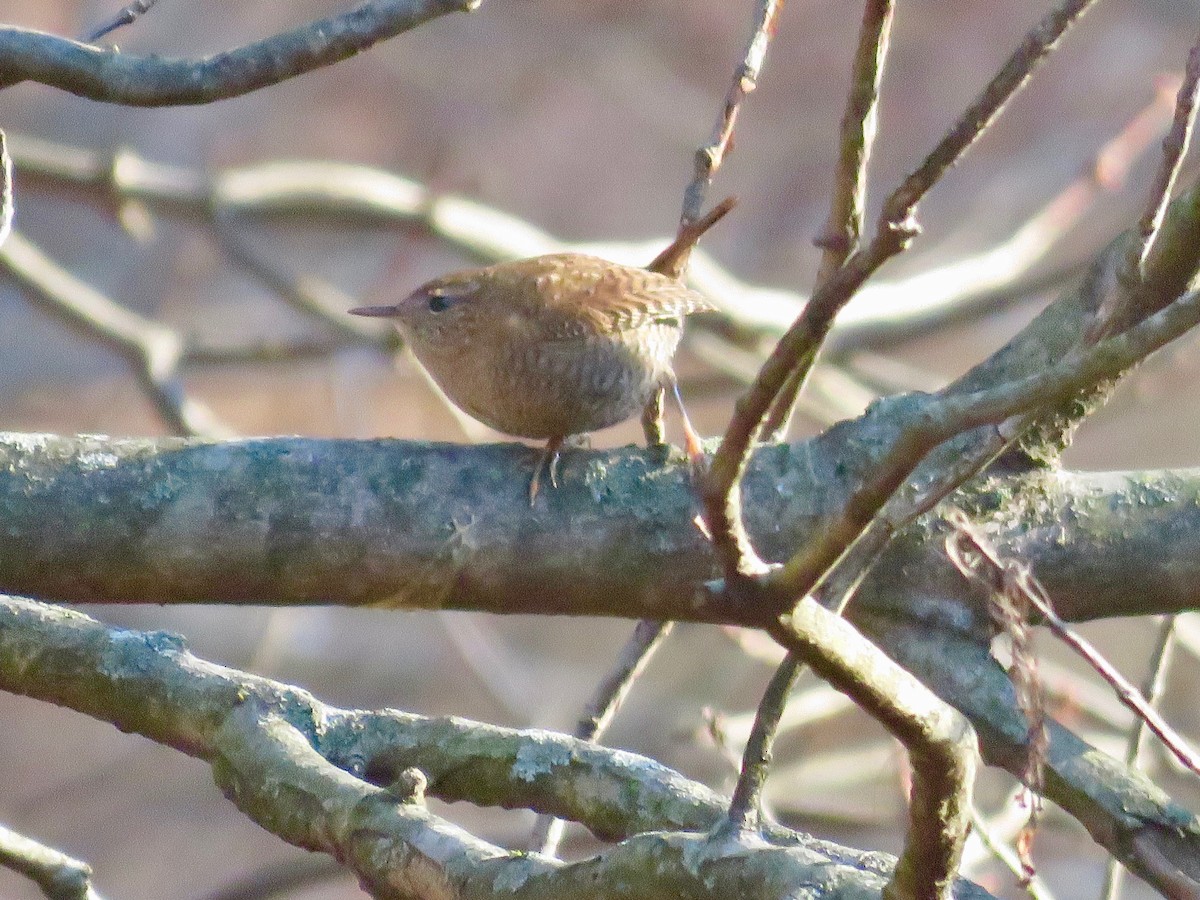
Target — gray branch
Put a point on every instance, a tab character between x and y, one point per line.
444	526
296	766
109	76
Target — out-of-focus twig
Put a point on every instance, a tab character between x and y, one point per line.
1152	689
8	207
998	847
610	693
59	876
308	294
126	16
153	350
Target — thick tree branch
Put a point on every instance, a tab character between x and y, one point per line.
432	526
294	765
109	76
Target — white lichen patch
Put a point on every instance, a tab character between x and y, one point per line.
540	754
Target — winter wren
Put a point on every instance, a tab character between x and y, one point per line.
556	345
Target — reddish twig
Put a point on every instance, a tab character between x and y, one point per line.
798	348
745	79
126	16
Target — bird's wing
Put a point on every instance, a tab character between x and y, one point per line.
604	297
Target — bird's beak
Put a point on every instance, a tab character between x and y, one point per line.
382	312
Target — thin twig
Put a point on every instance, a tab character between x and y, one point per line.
59	876
647	637
8	206
1118	307
1018	577
843	228
745	808
126	16
307	294
1034	886
1175	147
798	348
745	79
1152	688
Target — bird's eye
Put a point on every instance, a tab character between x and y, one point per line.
438	303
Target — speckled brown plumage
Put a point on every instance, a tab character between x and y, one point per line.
552	346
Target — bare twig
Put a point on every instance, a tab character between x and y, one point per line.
1117	308
647	637
127	16
1175	147
1152	689
745	809
745	79
996	845
59	876
1016	577
843	228
108	76
8	207
798	348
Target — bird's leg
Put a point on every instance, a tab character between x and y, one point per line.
549	455
652	419
695	450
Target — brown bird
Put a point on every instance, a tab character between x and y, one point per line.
556	345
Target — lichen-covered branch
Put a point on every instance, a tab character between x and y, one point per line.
446	526
296	766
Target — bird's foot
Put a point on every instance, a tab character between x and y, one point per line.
549	456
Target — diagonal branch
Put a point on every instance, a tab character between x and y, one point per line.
797	349
745	79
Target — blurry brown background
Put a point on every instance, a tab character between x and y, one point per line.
580	116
